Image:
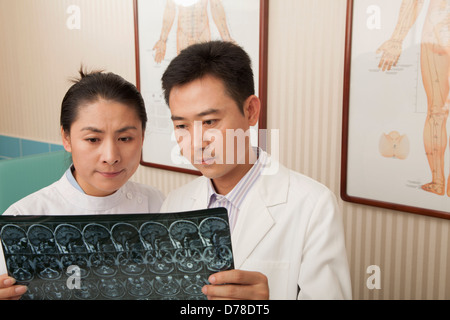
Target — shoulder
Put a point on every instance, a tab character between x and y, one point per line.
151	194
190	188
295	189
307	184
35	203
179	198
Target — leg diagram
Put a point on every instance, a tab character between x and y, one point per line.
435	67
435	73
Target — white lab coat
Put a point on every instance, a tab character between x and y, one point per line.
62	198
289	228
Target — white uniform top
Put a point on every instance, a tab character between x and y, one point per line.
63	198
289	228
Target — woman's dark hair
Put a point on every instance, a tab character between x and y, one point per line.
223	60
96	85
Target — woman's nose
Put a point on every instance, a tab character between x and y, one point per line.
110	153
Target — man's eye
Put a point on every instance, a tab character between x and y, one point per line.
125	139
92	140
180	126
209	122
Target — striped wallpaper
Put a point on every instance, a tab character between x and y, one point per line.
305	84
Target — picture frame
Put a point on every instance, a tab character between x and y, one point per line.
393	156
246	24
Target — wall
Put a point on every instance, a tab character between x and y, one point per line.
305	80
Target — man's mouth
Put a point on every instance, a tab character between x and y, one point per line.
205	161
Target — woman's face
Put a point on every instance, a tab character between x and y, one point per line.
105	141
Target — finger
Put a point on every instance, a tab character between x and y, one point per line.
6	281
13	292
237	277
228	292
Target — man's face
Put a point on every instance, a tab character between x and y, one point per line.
206	121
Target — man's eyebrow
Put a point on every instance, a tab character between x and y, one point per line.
201	114
208	112
96	130
176	118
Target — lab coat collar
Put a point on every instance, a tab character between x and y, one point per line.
254	220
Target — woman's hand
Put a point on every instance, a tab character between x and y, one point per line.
8	289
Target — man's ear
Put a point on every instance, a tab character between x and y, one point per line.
252	109
66	140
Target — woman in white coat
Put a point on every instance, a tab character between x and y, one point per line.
103	122
287	232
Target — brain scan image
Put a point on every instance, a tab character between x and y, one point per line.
218	255
188	256
126	237
87	291
69	239
192	284
34	292
20	268
139	286
112	288
156	239
42	239
16	240
166	285
138	256
98	238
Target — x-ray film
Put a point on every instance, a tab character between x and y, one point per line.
126	256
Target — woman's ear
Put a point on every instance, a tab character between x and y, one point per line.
66	140
252	109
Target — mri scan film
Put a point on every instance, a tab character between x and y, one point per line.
132	256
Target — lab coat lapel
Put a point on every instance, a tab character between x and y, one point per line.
199	195
255	219
250	228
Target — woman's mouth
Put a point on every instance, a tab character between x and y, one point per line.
108	174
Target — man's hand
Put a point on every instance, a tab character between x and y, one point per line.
237	284
9	291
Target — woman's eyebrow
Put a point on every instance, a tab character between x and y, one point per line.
96	130
126	129
93	129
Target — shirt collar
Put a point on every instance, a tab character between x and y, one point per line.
71	178
237	195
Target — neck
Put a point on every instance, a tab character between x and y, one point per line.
223	185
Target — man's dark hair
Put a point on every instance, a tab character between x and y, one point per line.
223	60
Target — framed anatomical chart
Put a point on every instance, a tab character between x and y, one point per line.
162	29
396	104
111	257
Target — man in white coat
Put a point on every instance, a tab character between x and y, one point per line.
287	232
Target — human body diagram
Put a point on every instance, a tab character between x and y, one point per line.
193	24
435	68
